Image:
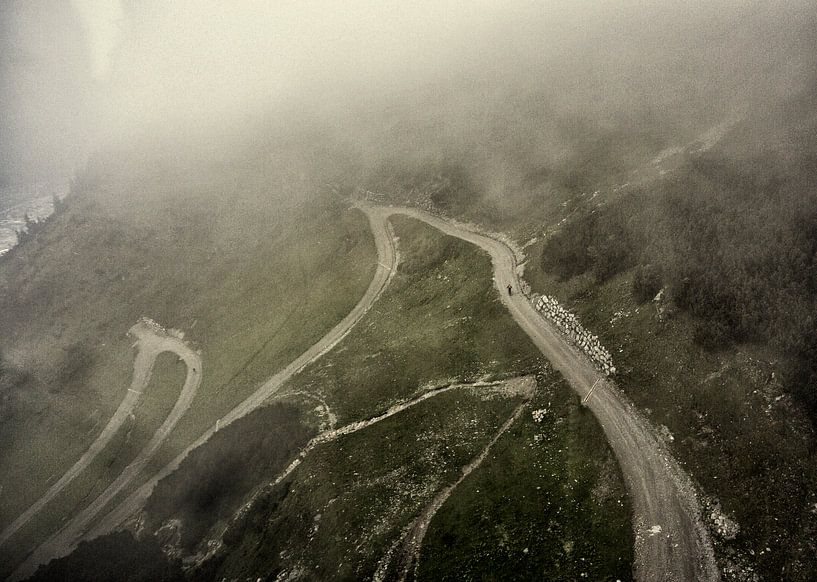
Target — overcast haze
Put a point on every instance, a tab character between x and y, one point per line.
81	74
252	312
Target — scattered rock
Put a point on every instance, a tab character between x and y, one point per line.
726	527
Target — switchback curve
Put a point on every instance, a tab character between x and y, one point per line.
384	271
151	341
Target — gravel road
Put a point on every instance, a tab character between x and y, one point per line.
151	343
661	492
67	539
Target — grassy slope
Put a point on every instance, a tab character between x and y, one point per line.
159	396
523	515
214	480
336	517
744	442
253	280
440	319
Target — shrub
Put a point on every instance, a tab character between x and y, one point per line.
646	283
567	253
117	556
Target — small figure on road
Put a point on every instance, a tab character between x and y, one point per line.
510	290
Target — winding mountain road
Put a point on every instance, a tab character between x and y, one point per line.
64	541
661	493
149	345
151	341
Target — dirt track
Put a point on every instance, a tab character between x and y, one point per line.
387	260
151	343
403	560
661	492
336	433
142	366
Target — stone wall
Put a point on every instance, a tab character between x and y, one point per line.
569	325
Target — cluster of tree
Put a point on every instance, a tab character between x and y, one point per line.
646	282
30	228
213	481
117	556
732	239
601	243
33	225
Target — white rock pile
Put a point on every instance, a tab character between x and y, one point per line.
369	196
726	527
539	415
569	325
148	322
161	330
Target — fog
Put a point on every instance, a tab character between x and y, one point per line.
86	75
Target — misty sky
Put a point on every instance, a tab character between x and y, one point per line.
101	21
88	72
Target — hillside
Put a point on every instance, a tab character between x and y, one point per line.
723	227
559	461
409	291
251	280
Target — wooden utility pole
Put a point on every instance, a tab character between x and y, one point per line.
587	396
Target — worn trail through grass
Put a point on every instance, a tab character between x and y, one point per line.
514	387
331	435
404	556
